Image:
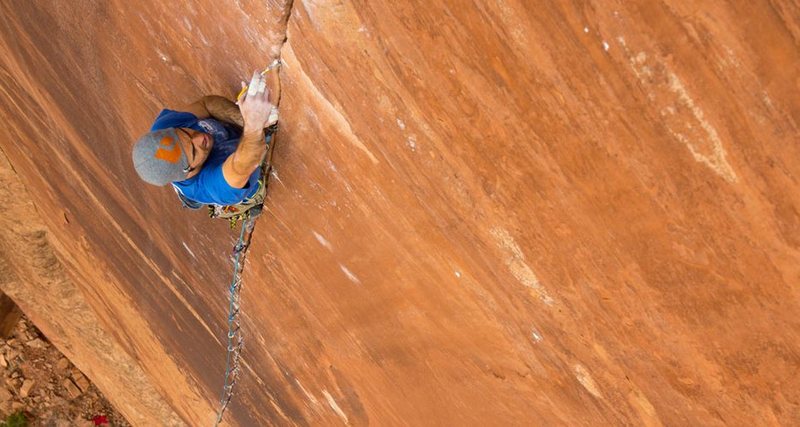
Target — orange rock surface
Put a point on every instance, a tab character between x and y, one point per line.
482	213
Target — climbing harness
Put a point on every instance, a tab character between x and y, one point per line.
250	207
248	212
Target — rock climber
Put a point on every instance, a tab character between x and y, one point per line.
211	150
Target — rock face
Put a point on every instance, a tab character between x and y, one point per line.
493	213
38	381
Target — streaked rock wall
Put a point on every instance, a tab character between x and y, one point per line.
481	213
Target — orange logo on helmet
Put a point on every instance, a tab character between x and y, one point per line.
169	150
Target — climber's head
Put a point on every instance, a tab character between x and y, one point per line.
172	154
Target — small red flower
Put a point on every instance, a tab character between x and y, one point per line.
100	420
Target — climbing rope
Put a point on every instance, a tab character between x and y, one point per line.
235	337
248	218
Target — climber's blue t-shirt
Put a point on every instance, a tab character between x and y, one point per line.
209	185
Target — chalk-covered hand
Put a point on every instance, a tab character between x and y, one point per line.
255	105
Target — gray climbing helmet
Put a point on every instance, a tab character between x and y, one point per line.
159	158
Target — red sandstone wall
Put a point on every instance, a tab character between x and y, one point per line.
482	213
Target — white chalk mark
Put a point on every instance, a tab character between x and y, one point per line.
332	403
730	59
163	56
586	381
767	100
605	46
458	274
332	166
717	159
274	174
412	143
513	22
349	274
189	250
586	30
203	39
706	145
536	336
401	124
309	396
515	261
323	241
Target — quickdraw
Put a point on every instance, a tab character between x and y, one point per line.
276	63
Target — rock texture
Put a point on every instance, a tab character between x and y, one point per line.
482	213
39	384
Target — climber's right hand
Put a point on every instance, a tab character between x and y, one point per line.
254	103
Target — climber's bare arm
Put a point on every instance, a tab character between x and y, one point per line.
218	107
247	157
249	154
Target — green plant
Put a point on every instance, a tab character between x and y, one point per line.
16	419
